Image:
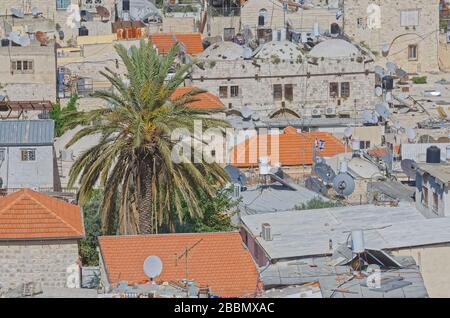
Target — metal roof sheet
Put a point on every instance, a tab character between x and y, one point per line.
26	132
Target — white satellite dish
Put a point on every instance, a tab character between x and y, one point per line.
35	12
403	96
17	13
246	112
247	52
380	71
24	41
153	266
370	117
397	125
411	134
383	110
378	91
348	132
392	67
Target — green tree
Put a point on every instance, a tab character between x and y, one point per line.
59	114
318	203
133	159
92	227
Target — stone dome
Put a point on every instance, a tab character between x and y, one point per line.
334	48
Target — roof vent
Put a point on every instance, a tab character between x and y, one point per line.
266	232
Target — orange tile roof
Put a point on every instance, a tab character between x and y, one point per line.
380	152
219	260
200	101
30	215
293	148
191	41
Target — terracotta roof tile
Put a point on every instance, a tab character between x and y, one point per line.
200	101
293	148
29	215
220	261
191	41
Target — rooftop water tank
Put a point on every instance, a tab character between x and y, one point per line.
433	155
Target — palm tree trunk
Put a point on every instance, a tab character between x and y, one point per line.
145	199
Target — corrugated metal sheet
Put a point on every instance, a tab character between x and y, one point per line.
26	132
418	152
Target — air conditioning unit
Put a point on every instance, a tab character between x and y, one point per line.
67	155
316	112
330	111
266	232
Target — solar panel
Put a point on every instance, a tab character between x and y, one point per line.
381	258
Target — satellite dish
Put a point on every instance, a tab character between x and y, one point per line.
325	173
102	11
236	176
14	37
247	52
24	41
2	98
35	12
369	117
409	167
378	91
348	132
42	38
397	125
246	112
343	184
315	185
385	50
380	71
402	96
153	266
392	67
383	110
404	110
400	73
411	134
17	13
255	117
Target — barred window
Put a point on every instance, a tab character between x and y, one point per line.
28	154
22	66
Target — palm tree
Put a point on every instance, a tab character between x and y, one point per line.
132	160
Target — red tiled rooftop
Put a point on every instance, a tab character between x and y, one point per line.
31	215
219	261
293	148
204	100
191	41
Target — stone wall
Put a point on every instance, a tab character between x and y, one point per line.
310	85
52	263
392	33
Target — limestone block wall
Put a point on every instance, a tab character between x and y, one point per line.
52	263
424	35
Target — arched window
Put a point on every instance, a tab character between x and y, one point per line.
262	18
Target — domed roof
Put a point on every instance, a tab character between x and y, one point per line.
223	51
334	48
284	50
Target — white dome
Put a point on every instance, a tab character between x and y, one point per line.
222	51
284	50
334	48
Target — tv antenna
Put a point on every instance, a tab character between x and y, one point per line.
185	254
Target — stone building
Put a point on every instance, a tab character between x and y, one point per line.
28	73
407	31
39	238
282	80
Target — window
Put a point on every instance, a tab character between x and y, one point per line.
361	22
345	89
256	249
409	18
234	91
223	91
28	154
62	4
228	34
334	90
425	196
2	155
278	92
412	52
25	66
262	18
364	144
289	92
